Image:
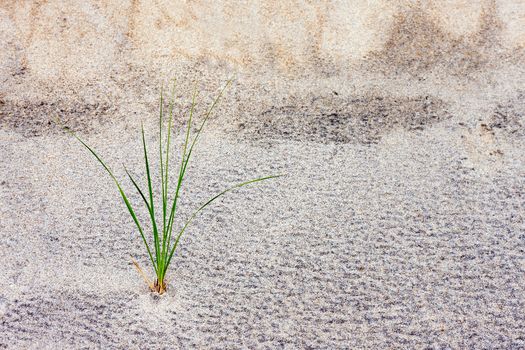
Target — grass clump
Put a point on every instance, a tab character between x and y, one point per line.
162	244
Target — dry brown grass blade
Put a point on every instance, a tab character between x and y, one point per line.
146	279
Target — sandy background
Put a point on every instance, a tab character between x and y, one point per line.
400	124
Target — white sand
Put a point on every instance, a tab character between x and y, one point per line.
400	223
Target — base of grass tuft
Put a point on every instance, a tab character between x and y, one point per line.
160	287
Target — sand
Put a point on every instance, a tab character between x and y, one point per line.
404	243
400	222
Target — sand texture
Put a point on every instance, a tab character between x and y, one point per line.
400	126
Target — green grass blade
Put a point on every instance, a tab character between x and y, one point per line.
207	115
138	189
151	213
186	158
166	174
204	206
181	174
130	209
161	161
152	205
172	102
123	195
